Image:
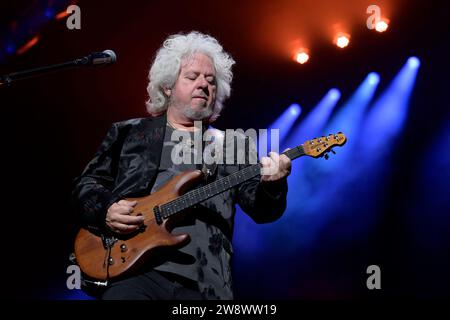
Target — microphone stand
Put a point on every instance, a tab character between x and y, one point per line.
7	79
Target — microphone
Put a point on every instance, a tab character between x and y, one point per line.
98	58
93	59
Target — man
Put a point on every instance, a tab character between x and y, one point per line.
189	80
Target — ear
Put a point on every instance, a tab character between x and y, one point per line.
168	91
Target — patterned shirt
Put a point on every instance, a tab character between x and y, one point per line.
204	258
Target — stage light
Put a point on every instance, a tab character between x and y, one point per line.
373	78
388	115
286	120
27	46
413	62
381	26
10	49
295	109
335	94
348	119
49	13
283	124
247	238
61	15
342	41
313	124
302	57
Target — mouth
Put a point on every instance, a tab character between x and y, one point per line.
200	97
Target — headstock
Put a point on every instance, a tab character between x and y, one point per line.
320	147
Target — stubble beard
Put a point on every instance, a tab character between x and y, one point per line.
190	113
198	115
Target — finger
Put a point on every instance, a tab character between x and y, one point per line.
265	166
124	209
118	209
265	161
124	228
285	167
275	162
270	168
127	203
285	160
130	220
274	156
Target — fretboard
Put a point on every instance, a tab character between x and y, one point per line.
198	195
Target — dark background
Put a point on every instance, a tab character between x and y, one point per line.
52	125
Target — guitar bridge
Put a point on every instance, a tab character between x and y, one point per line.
157	213
108	242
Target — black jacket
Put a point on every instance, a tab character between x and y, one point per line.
126	165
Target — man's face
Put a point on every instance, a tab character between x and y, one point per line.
194	92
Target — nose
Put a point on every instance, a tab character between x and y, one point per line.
202	83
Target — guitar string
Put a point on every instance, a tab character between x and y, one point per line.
219	186
181	202
208	190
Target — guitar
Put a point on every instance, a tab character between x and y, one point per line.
103	257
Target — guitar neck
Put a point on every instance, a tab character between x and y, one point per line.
198	195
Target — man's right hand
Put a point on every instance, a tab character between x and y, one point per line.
119	220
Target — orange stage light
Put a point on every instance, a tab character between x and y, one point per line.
381	26
302	56
342	41
27	46
61	15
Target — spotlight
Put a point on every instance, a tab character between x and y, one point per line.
389	113
295	109
10	49
413	62
61	15
342	41
373	78
381	26
27	46
302	57
334	94
49	13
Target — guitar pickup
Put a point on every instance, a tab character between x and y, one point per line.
157	213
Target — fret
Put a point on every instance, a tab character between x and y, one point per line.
203	193
191	199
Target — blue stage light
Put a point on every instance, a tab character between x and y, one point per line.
373	78
295	109
334	94
283	124
388	114
10	49
49	13
315	121
413	62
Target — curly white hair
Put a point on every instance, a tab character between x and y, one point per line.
166	67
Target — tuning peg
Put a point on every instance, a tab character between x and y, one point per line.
326	156
334	152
